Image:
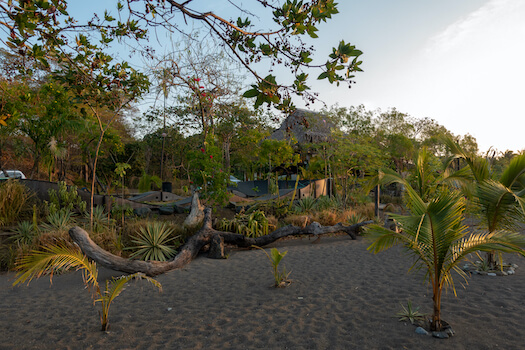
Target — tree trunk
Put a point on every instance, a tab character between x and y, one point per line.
193	246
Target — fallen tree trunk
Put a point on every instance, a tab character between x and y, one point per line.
193	246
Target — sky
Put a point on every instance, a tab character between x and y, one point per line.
461	63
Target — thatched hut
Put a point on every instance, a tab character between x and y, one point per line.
305	126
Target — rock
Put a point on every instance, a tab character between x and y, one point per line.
501	273
180	210
514	266
166	210
511	272
440	335
142	212
491	274
421	330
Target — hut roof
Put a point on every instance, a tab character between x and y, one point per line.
306	126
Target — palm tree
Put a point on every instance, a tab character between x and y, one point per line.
433	232
501	200
66	256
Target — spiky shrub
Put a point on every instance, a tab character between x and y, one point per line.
153	242
305	205
13	199
64	256
58	223
25	233
101	219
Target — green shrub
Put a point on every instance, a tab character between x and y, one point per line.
65	197
254	224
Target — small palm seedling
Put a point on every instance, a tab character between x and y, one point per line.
152	242
275	257
66	256
410	313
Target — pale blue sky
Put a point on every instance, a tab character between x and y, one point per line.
458	62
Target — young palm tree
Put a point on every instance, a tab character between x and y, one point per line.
433	232
66	256
501	200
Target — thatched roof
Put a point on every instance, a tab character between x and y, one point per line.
306	126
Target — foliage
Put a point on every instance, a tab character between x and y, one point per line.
280	277
146	181
410	313
25	233
13	200
501	200
433	232
101	219
66	198
206	171
305	205
151	242
252	225
58	222
65	256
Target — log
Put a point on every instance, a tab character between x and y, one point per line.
191	249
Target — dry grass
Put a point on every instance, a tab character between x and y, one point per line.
14	200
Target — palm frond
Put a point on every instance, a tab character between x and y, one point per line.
514	175
55	257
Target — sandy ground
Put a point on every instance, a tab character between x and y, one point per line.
342	297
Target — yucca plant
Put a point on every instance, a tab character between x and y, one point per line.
62	256
152	242
434	234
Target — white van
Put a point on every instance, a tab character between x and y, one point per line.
10	174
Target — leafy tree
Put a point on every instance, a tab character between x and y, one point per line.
41	29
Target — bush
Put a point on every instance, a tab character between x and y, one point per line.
14	200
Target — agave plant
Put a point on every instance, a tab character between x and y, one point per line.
152	242
305	205
66	256
59	221
433	232
25	233
100	218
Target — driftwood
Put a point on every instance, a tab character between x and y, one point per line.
194	245
196	213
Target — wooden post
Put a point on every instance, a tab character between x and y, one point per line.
376	201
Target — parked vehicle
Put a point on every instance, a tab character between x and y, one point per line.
11	174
